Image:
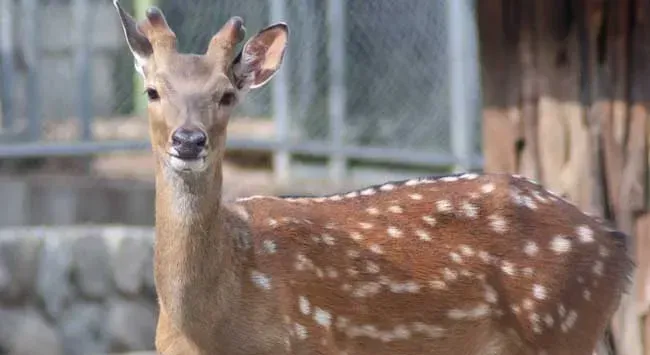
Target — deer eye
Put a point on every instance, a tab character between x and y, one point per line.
152	94
227	99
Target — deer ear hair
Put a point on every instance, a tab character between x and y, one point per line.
138	43
261	57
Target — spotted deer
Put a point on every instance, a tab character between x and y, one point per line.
461	264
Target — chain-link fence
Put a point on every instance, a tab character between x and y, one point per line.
384	80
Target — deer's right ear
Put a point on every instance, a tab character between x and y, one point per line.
138	43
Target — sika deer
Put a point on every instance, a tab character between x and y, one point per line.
464	264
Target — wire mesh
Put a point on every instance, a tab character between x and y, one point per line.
394	56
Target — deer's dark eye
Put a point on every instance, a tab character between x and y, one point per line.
227	99
152	94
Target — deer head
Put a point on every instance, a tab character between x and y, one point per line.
191	96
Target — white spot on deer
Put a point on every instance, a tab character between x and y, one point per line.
395	209
444	206
429	220
484	256
372	267
569	321
539	292
498	223
560	244
261	280
423	235
530	248
534	322
387	187
507	267
367	289
356	236
515	309
487	188
353	272
449	274
353	254
478	312
394	232
598	267
469	176
527	304
469	209
365	225
272	222
437	285
603	251
449	179
368	192
585	234
416	197
269	246
466	250
331	272
490	294
352	194
322	317
301	331
561	310
319	199
404	287
372	211
528	202
455	258
586	294
548	319
335	198
376	248
412	182
431	331
327	239
303	303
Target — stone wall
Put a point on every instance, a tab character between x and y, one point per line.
76	290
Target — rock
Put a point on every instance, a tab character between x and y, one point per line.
130	257
53	280
19	254
92	266
25	332
131	326
83	329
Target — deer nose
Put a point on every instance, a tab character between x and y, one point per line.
189	143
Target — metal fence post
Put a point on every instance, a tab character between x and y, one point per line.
463	81
139	99
7	57
337	96
83	63
33	58
281	106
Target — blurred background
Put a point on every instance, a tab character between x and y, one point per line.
369	91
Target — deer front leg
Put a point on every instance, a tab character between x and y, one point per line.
169	340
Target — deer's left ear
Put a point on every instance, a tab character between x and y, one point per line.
138	43
261	57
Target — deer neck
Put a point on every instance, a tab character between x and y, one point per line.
196	266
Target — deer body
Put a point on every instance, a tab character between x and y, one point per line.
465	264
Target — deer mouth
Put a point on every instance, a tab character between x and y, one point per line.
187	164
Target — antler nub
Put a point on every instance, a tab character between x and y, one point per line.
224	41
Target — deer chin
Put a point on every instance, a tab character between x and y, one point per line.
187	165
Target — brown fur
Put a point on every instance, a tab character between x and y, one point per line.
467	264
